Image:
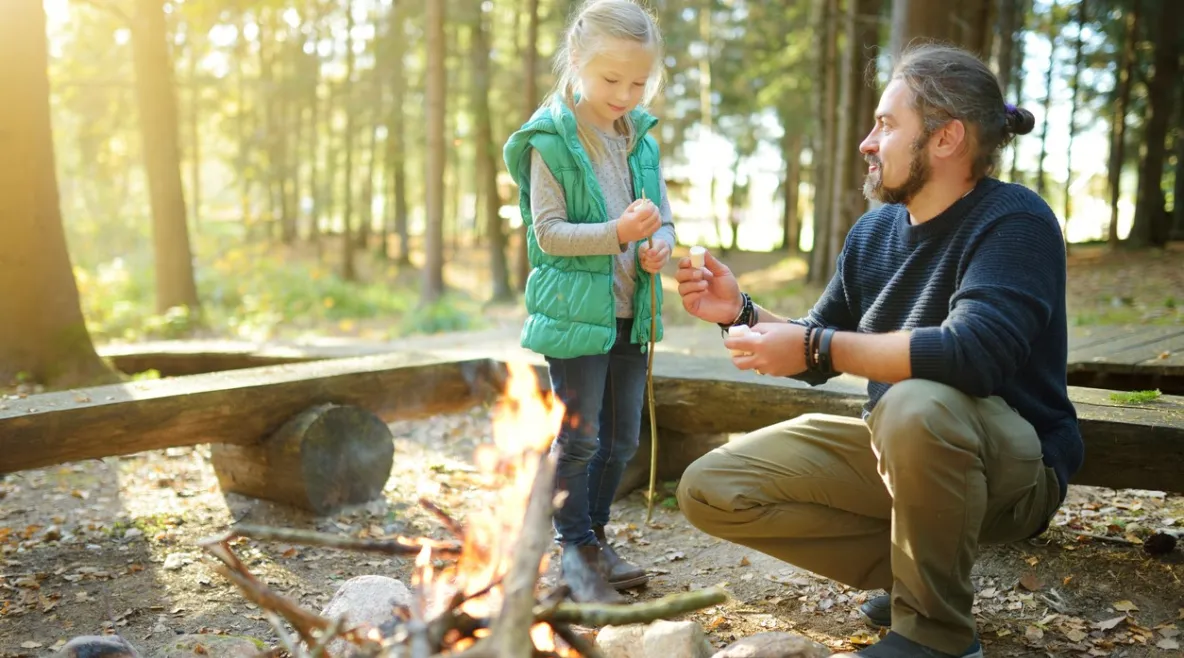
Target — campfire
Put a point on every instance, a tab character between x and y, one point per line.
486	601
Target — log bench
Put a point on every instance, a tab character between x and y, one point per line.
305	433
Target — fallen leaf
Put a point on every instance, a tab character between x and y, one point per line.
1109	623
1076	635
29	644
1031	582
676	555
744	562
1126	606
1168	643
1033	634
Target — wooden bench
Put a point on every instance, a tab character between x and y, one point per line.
242	412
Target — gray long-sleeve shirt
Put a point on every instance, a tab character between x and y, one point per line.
559	237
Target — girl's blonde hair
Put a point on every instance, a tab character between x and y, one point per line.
594	24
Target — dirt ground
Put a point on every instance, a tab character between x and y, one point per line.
109	546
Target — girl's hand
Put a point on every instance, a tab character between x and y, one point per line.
639	221
653	259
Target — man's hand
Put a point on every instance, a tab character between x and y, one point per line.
775	349
654	258
639	221
709	293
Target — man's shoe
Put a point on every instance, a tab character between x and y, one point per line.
877	611
894	645
583	571
619	572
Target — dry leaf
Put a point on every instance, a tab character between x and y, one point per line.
1126	606
1030	582
29	644
1076	635
1033	634
1109	623
1168	643
744	561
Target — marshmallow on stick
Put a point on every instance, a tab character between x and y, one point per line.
739	330
698	256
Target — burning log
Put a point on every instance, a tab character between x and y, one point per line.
487	604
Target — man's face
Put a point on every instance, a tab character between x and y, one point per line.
895	150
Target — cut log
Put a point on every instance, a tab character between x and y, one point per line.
237	407
321	460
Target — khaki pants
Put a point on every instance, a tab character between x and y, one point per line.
899	503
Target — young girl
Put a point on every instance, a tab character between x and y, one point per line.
592	195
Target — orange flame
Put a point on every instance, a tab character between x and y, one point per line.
525	421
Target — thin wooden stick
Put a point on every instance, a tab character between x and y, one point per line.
400	546
575	641
614	614
649	384
450	524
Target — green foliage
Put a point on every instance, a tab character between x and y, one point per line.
1135	397
259	291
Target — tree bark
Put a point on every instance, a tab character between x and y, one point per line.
396	151
43	334
348	270
791	151
530	100
156	95
828	118
433	275
486	163
1041	184
1118	119
195	87
1008	13
1077	64
1151	218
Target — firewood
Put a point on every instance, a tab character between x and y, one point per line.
617	614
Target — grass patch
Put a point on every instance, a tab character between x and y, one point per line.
1135	397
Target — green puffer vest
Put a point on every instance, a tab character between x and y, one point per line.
569	299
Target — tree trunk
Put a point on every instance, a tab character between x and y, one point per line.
43	334
1041	184
824	162
791	153
530	100
1151	218
157	103
396	135
1118	119
194	132
1077	64
1008	13
433	275
966	24
486	163
314	132
1177	232
240	124
348	271
1017	78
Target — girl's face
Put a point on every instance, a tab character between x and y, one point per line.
613	81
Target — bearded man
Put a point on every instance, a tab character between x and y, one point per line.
950	301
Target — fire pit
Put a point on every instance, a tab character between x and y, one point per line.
487	599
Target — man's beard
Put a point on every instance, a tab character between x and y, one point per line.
919	174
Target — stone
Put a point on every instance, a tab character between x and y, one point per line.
661	639
99	646
207	646
366	600
774	645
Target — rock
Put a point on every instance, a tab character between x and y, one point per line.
661	639
774	645
99	646
174	561
208	646
366	600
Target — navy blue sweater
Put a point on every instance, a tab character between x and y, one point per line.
982	289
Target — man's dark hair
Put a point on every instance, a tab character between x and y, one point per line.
951	83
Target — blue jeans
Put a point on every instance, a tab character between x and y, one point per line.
604	395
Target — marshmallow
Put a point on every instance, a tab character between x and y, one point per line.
739	330
698	257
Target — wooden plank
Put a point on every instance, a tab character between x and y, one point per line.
236	407
1129	349
1083	337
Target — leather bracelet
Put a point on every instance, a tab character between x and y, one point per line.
824	361
806	346
744	317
